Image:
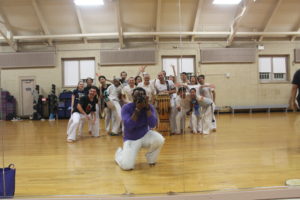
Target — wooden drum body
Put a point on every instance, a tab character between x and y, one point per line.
163	110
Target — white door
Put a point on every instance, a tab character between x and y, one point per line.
27	86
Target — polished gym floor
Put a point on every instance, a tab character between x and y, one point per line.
247	151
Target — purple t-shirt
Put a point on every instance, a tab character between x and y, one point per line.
134	130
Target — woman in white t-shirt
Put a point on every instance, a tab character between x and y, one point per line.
127	91
150	91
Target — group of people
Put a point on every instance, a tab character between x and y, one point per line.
131	109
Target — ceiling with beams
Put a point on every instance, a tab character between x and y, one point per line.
55	21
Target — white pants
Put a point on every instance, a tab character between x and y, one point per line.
206	119
126	157
195	119
73	124
95	128
214	122
180	120
107	112
116	118
173	114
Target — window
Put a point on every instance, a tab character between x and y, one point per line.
77	69
183	64
272	68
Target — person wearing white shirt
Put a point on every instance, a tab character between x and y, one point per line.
113	95
201	108
207	90
127	91
150	91
183	80
104	86
183	102
195	112
193	83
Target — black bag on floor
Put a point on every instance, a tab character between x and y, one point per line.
7	181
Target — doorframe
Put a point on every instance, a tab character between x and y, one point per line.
21	78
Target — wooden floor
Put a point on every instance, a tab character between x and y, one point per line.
247	151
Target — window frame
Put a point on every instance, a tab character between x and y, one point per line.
178	58
272	74
75	59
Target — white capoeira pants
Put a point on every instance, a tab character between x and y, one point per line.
107	112
173	113
95	128
214	122
126	157
180	120
116	118
206	119
196	120
73	124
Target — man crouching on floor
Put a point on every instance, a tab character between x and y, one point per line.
139	118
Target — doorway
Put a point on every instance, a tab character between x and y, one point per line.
27	87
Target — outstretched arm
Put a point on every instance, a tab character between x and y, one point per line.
141	70
174	71
72	102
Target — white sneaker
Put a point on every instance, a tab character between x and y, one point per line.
14	120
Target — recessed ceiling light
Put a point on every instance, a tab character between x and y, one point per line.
89	2
228	2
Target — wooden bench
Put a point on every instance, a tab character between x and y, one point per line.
260	107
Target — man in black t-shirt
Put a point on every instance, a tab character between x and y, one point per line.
89	82
295	87
85	109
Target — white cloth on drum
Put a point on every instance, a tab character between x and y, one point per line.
126	157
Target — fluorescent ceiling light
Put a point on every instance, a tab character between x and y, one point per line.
88	2
228	2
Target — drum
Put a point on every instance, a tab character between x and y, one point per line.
163	110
